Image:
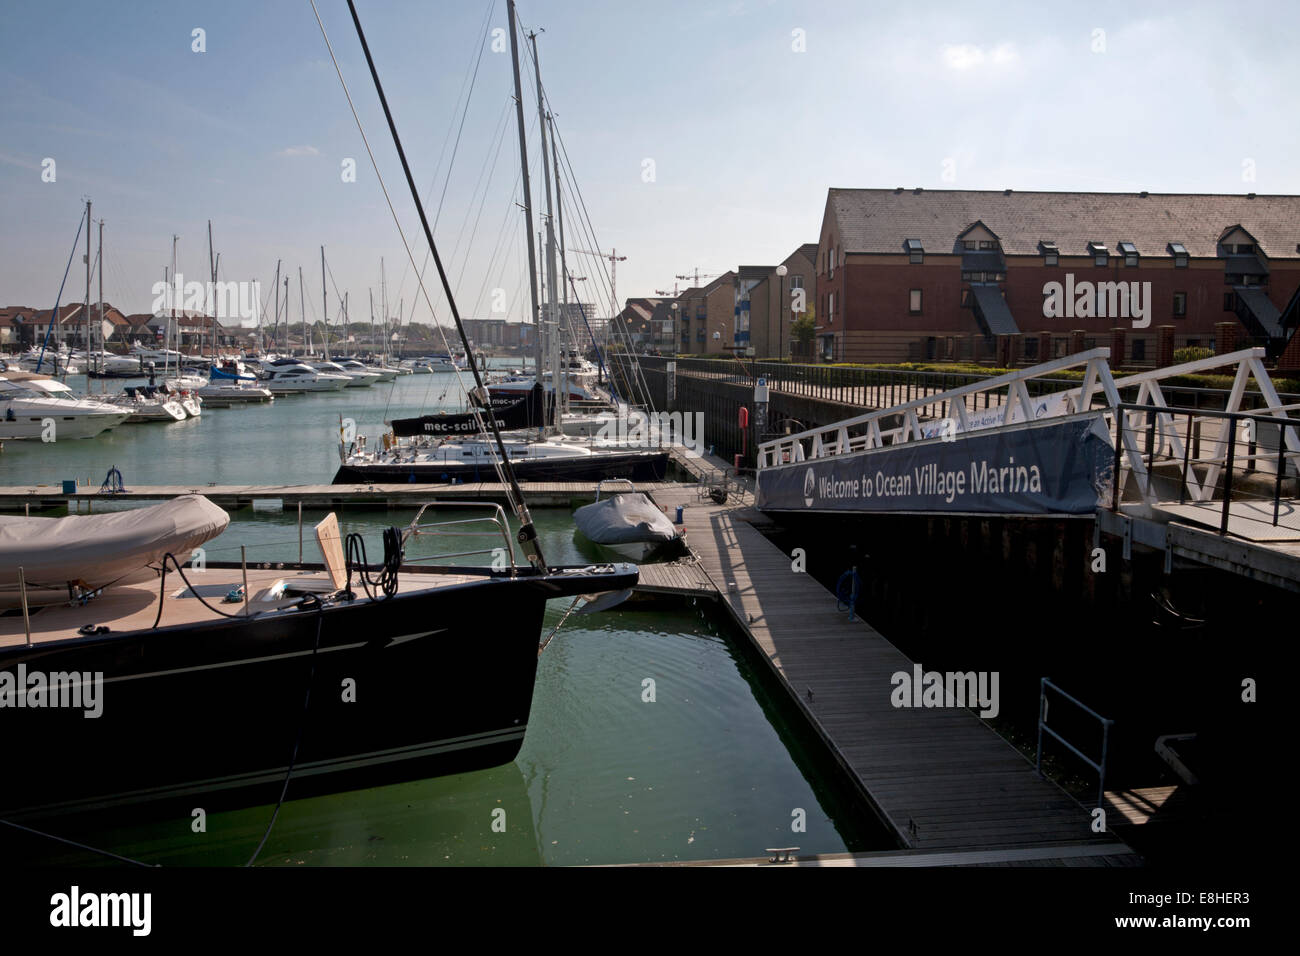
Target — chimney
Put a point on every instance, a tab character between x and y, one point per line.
916	191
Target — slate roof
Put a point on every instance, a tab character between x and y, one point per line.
879	220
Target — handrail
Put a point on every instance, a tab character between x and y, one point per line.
789	448
1288	447
1099	766
498	519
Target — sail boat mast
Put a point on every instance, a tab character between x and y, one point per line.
551	326
562	400
302	307
90	341
528	195
87	304
324	304
275	332
527	534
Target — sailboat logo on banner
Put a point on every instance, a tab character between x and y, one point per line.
809	486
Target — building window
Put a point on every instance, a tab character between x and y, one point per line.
1179	252
988	244
969	244
914	302
1031	347
1130	253
832	275
796	282
1244	247
1139	350
830	310
1229	302
965	298
915	252
1180	303
1051	255
1099	254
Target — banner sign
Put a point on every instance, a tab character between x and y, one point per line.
511	412
1061	467
1047	406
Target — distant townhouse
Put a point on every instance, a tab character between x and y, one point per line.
777	300
706	317
1024	276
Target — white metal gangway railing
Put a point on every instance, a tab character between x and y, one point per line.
1166	431
1172	431
943	415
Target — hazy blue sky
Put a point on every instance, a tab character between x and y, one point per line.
745	130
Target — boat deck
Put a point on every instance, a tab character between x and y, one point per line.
130	607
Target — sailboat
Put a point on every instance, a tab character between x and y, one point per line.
544	454
348	675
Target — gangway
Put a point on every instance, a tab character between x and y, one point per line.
1113	447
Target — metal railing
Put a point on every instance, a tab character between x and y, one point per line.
957	409
1097	765
1163	443
500	527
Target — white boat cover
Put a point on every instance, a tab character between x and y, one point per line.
624	519
97	550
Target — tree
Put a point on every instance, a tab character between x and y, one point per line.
803	329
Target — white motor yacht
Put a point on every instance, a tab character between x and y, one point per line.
359	379
30	402
296	377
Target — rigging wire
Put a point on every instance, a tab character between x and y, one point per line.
501	465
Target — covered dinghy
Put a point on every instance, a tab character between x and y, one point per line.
94	551
629	523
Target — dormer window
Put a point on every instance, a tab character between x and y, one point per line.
915	252
970	245
1179	252
1244	247
988	244
1051	255
1130	253
1099	254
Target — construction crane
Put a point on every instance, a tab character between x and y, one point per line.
614	259
697	276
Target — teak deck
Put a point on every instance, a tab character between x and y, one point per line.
939	778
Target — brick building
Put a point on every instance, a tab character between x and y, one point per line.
706	317
769	323
1023	276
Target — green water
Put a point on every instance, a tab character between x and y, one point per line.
717	766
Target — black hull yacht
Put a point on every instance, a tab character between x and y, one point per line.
157	696
647	465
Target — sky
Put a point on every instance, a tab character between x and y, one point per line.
701	135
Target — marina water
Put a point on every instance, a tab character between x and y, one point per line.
718	766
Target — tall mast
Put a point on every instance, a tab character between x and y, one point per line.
528	195
103	345
275	333
87	304
371	293
286	316
212	294
562	400
552	326
324	304
302	307
168	337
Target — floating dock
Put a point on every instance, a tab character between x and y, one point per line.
938	778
